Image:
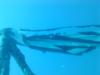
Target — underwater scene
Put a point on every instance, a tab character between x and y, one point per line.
49	37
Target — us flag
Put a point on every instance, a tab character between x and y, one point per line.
75	40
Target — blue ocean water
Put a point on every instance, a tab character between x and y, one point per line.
42	14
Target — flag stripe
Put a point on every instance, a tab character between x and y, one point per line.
78	42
